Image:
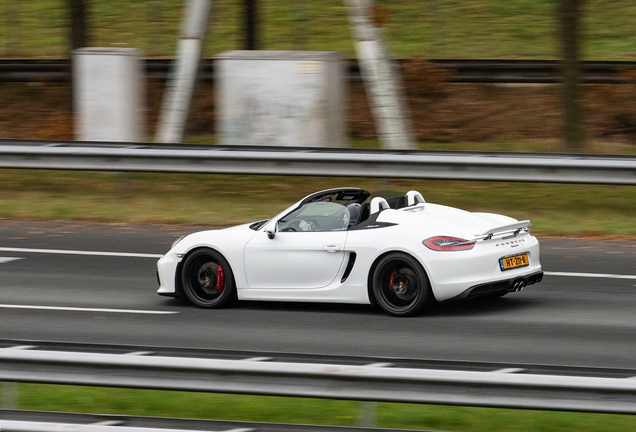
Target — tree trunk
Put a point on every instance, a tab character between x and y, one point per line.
250	24
79	28
573	132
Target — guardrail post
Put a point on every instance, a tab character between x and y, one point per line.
367	417
9	395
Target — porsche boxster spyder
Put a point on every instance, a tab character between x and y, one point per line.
342	245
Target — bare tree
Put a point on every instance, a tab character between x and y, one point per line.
79	26
573	132
251	25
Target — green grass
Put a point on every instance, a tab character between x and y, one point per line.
222	200
308	411
431	29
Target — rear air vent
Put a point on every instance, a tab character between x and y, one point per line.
352	261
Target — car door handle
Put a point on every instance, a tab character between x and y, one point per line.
332	248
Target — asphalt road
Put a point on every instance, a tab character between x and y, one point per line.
571	319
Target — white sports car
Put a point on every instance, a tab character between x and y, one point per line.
338	245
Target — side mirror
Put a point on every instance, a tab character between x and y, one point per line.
271	232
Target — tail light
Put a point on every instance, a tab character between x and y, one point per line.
448	244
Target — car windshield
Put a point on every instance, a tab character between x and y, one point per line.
317	216
342	196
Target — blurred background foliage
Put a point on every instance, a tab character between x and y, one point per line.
446	116
487	29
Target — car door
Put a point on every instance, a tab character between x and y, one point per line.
294	260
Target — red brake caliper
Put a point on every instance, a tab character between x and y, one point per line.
220	280
393	275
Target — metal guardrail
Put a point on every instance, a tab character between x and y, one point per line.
38	421
140	157
331	381
49	421
459	71
26	426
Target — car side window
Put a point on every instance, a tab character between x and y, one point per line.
316	216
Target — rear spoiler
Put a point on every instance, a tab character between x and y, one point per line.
512	229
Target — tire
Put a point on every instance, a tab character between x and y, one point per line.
400	285
207	279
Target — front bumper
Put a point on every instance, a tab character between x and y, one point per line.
166	272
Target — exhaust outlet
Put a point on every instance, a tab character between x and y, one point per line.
518	285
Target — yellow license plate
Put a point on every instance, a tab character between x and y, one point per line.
514	262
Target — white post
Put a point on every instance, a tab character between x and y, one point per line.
380	79
9	395
367	414
180	85
108	95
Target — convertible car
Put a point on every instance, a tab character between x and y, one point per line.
340	245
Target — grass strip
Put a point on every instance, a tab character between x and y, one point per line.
308	411
224	200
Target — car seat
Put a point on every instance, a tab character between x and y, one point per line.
355	211
364	212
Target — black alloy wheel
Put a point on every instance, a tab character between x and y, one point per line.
400	285
207	279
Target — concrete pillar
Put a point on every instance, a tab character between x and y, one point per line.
108	95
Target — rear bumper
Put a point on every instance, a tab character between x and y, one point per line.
500	287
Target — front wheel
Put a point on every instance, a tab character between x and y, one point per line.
207	279
400	285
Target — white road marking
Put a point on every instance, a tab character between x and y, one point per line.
379	365
78	252
79	309
4	260
591	275
21	347
145	255
258	359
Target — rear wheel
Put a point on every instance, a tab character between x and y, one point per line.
207	279
400	285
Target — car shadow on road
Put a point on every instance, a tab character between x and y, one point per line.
481	306
280	306
307	307
454	308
